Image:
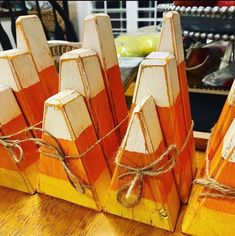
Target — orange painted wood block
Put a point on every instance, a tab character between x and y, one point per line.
171	41
226	117
20	175
66	118
19	73
98	36
214	215
80	70
154	199
158	77
30	36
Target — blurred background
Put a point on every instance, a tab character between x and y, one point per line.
208	29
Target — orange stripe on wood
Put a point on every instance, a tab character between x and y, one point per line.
187	111
89	167
103	122
116	92
49	80
31	101
30	150
173	130
155	188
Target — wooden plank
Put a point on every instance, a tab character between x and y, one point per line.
158	77
201	139
80	70
21	176
67	119
216	213
159	203
99	37
171	41
30	36
24	82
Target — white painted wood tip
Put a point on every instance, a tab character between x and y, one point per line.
171	36
63	97
27	18
145	125
97	16
12	53
31	37
18	69
157	77
160	55
80	70
171	14
231	95
98	35
9	107
148	101
77	53
66	115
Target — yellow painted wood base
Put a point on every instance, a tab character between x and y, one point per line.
199	220
146	211
64	190
25	181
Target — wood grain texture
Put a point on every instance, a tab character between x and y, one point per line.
23	214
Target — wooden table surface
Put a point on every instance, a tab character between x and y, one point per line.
23	214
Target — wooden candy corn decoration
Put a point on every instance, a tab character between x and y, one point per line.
137	191
212	212
82	180
99	37
225	119
80	70
31	37
158	77
16	172
19	73
171	41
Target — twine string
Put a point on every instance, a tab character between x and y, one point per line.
153	169
214	189
53	151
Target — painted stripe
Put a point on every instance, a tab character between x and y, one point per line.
89	167
118	98
49	80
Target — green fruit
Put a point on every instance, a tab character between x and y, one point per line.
127	46
136	45
148	43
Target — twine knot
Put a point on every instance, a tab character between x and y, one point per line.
151	170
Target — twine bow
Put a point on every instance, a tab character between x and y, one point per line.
139	174
12	145
53	151
153	169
